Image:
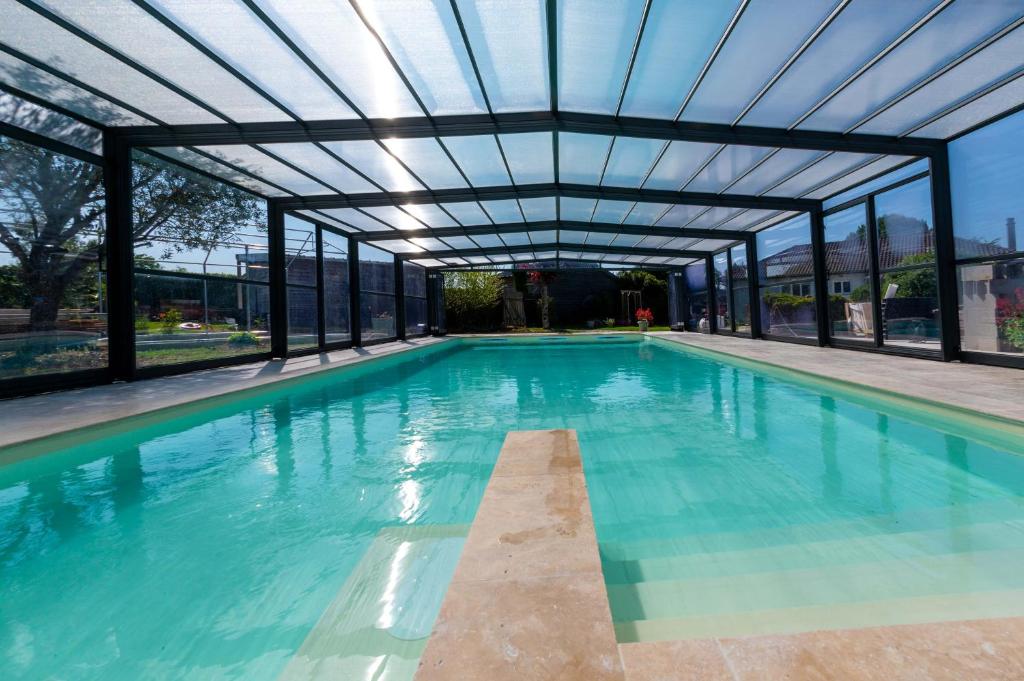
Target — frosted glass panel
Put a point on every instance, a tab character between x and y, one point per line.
544	237
529	157
460	242
581	157
733	161
630	160
774	170
318	162
355	218
978	111
430	214
467	213
425	157
394	217
192	159
509	41
538	209
258	163
863	173
479	158
424	38
375	163
488	241
712	217
576	209
506	210
678	39
516	238
612	211
48	123
595	40
680	216
766	35
572	237
823	171
646	213
678	164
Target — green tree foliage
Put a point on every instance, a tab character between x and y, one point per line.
653	287
471	300
917	283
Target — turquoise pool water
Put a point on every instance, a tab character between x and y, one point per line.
325	518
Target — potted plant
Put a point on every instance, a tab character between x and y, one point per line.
644	317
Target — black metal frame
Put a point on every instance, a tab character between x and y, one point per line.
400	265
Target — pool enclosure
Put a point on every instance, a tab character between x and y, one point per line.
186	184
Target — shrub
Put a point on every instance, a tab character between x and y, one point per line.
169	320
243	338
471	300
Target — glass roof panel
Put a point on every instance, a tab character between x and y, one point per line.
680	215
646	213
653	241
125	26
712	217
630	160
488	240
1003	58
678	39
504	210
255	161
572	236
595	41
612	211
357	219
398	246
236	34
680	243
478	259
431	244
454	261
48	123
424	38
733	161
317	162
509	41
581	157
529	157
427	262
538	209
430	214
523	256
544	237
909	170
746	218
516	238
767	34
710	244
600	238
321	217
950	33
679	162
467	213
459	242
822	171
1002	99
576	209
479	158
395	217
853	38
375	163
37	37
191	158
774	170
425	157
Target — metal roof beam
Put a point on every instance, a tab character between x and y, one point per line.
540	248
546	225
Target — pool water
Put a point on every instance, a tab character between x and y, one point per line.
313	528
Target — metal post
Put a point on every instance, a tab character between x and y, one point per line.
278	279
752	281
321	307
712	283
945	255
873	267
117	181
820	269
354	311
399	299
431	302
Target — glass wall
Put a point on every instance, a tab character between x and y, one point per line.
986	178
415	278
696	312
337	318
53	312
301	271
905	247
200	267
722	297
850	308
740	288
785	266
376	293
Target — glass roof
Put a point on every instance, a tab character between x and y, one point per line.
928	69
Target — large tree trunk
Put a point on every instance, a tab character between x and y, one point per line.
545	321
45	306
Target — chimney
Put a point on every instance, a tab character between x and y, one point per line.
1011	233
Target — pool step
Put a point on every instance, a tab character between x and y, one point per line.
377	626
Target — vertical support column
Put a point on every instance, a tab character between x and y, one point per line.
399	299
875	284
354	311
754	283
712	284
945	255
117	182
321	312
431	302
278	279
820	268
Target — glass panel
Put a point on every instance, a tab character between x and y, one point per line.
425	157
853	38
578	210
828	168
395	217
775	169
424	38
733	161
991	299
516	238
678	39
721	265
53	312
581	157
680	215
678	164
323	218
34	118
572	237
851	313
540	209
509	41
543	237
646	213
336	289
468	213
771	30
713	216
302	318
191	319
460	242
595	41
910	308
951	32
429	214
503	211
317	162
630	160
740	289
979	111
903	219
377	316
612	211
985	179
357	219
299	251
529	157
267	168
415	279
851	179
915	168
376	163
479	158
785	266
376	270
190	159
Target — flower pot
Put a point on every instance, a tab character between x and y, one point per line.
643	325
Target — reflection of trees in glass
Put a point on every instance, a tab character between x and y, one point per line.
917	283
52	221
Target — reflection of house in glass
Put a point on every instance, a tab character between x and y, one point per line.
989	293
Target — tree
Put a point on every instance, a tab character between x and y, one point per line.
916	283
543	279
52	211
471	299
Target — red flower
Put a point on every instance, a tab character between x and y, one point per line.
644	314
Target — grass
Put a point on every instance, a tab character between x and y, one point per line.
583	329
162	356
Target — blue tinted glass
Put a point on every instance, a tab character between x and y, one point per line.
479	158
630	160
529	157
895	176
581	157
